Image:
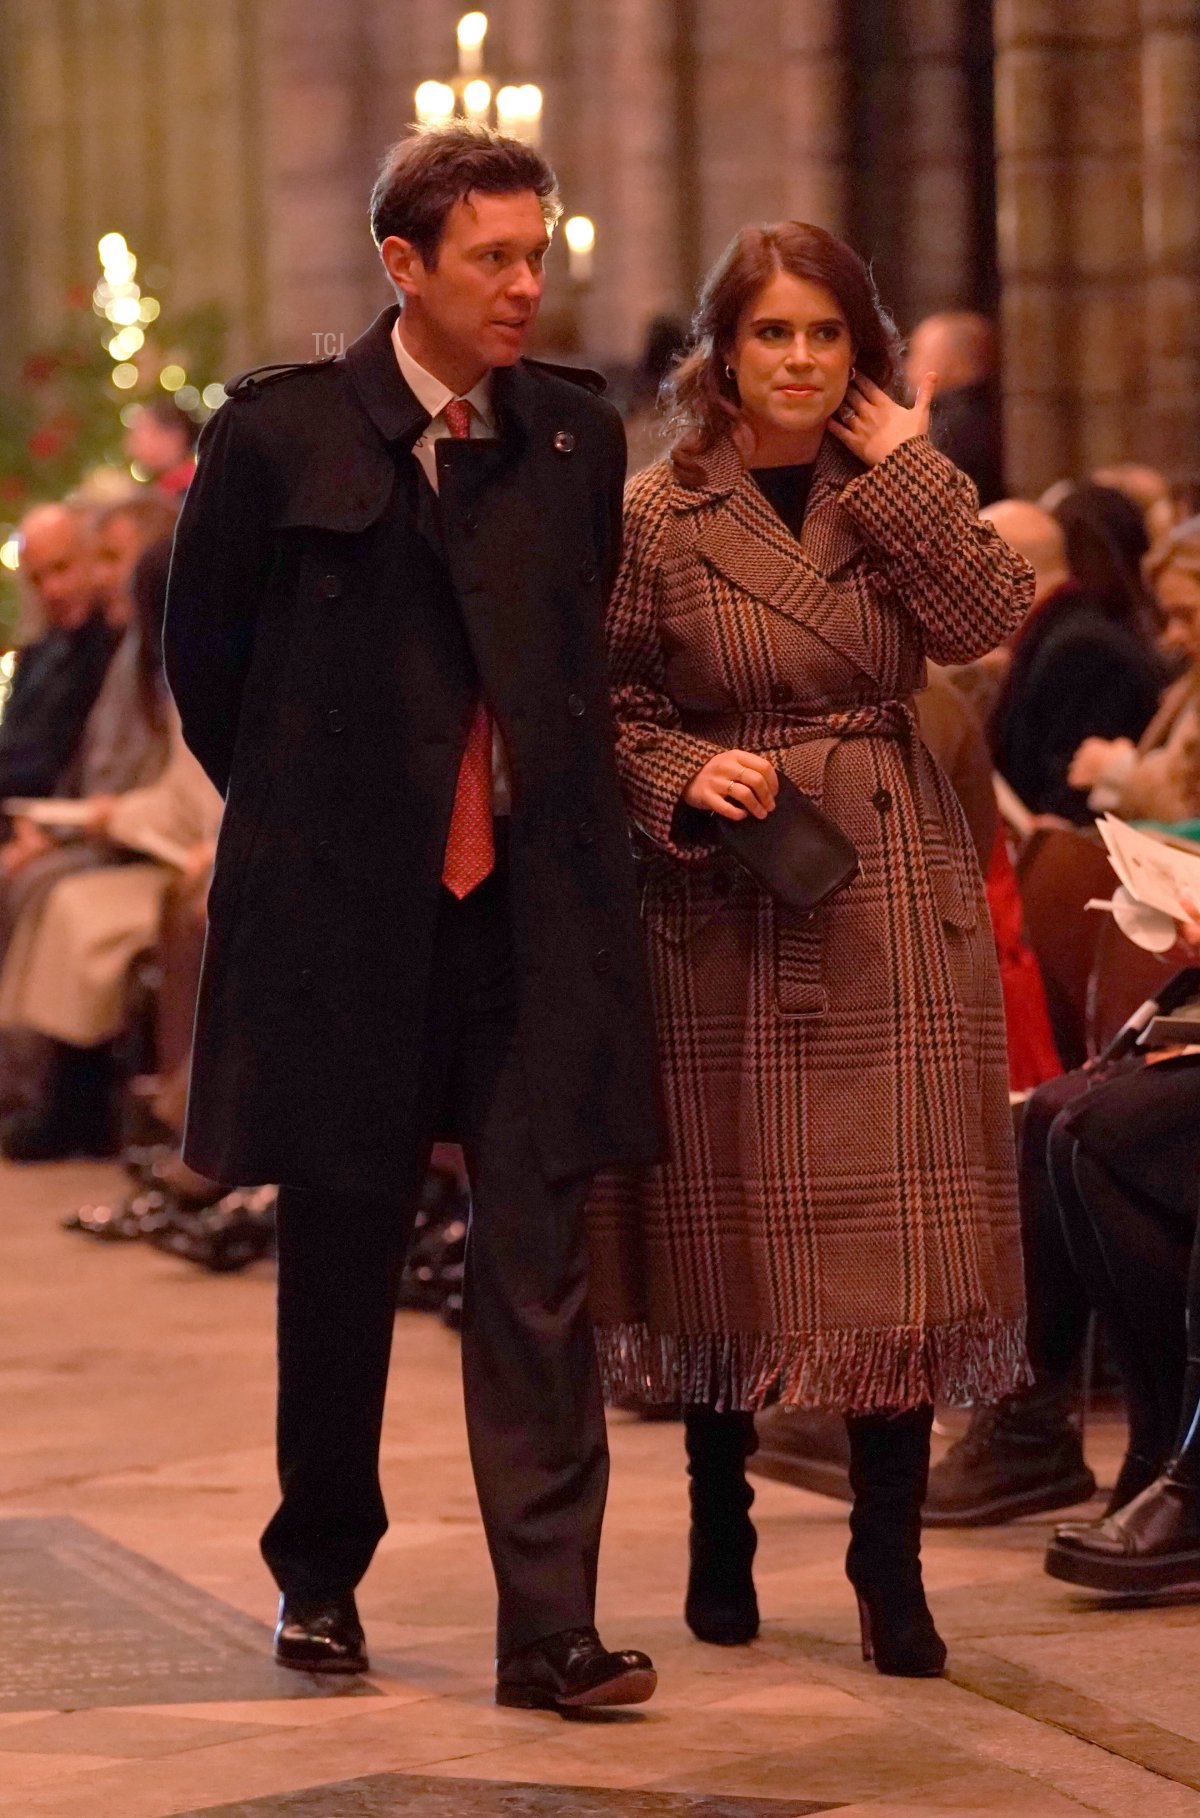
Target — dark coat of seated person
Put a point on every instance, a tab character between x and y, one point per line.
1084	665
58	675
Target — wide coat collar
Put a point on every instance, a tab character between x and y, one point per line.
744	539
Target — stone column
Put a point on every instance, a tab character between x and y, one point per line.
624	171
817	116
323	280
741	133
932	166
1068	134
1170	432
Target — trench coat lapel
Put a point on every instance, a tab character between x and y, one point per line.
748	544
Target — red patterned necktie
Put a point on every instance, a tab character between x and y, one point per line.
471	844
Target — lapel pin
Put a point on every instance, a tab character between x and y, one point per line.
564	442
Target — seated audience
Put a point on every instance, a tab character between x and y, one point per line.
161	441
124	746
59	674
122	531
1084	663
1135	1255
1158	778
1124	1124
1146	488
960	347
1034	534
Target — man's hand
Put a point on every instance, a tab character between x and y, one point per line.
1093	759
734	784
1187	946
99	812
26	842
873	426
198	862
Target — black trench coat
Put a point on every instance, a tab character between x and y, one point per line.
326	634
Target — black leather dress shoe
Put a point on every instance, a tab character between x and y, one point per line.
1151	1547
573	1672
322	1637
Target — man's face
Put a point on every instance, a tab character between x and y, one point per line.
474	308
56	561
118	546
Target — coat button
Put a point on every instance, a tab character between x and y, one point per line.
782	694
335	719
585	834
331	586
308	979
882	799
576	706
564	442
588	574
324	853
471	521
603	961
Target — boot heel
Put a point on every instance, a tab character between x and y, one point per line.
864	1629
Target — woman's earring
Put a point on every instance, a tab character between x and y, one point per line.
853	374
728	371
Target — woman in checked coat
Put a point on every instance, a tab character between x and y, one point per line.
836	1221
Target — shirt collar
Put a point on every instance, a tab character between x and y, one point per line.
432	395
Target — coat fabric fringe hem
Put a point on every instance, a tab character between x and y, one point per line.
857	1371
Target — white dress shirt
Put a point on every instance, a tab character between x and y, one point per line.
432	395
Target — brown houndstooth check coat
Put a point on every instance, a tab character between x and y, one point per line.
837	1216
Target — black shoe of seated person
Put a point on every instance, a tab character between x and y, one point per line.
76	1118
1150	1548
1022	1456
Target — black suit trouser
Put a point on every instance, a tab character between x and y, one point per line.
1124	1159
535	1418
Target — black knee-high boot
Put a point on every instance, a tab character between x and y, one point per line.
889	1471
721	1605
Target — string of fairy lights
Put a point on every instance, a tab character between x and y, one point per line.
119	300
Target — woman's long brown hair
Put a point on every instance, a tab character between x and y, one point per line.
703	399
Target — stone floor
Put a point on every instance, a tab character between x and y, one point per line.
135	1473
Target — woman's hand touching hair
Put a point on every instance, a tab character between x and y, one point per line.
873	426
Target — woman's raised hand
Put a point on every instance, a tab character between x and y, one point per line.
873	426
734	784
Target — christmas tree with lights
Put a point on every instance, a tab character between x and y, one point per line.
62	423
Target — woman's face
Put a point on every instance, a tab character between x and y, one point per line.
1178	594
791	359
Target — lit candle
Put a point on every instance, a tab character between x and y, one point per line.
434	103
519	112
477	98
580	234
472	30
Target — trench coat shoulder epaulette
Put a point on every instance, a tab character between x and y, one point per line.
576	375
249	384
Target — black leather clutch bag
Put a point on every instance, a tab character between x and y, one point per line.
796	852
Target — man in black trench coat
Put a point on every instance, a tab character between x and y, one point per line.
384	636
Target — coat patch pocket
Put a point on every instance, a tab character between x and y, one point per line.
678	904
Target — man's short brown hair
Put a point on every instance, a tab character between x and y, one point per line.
425	174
